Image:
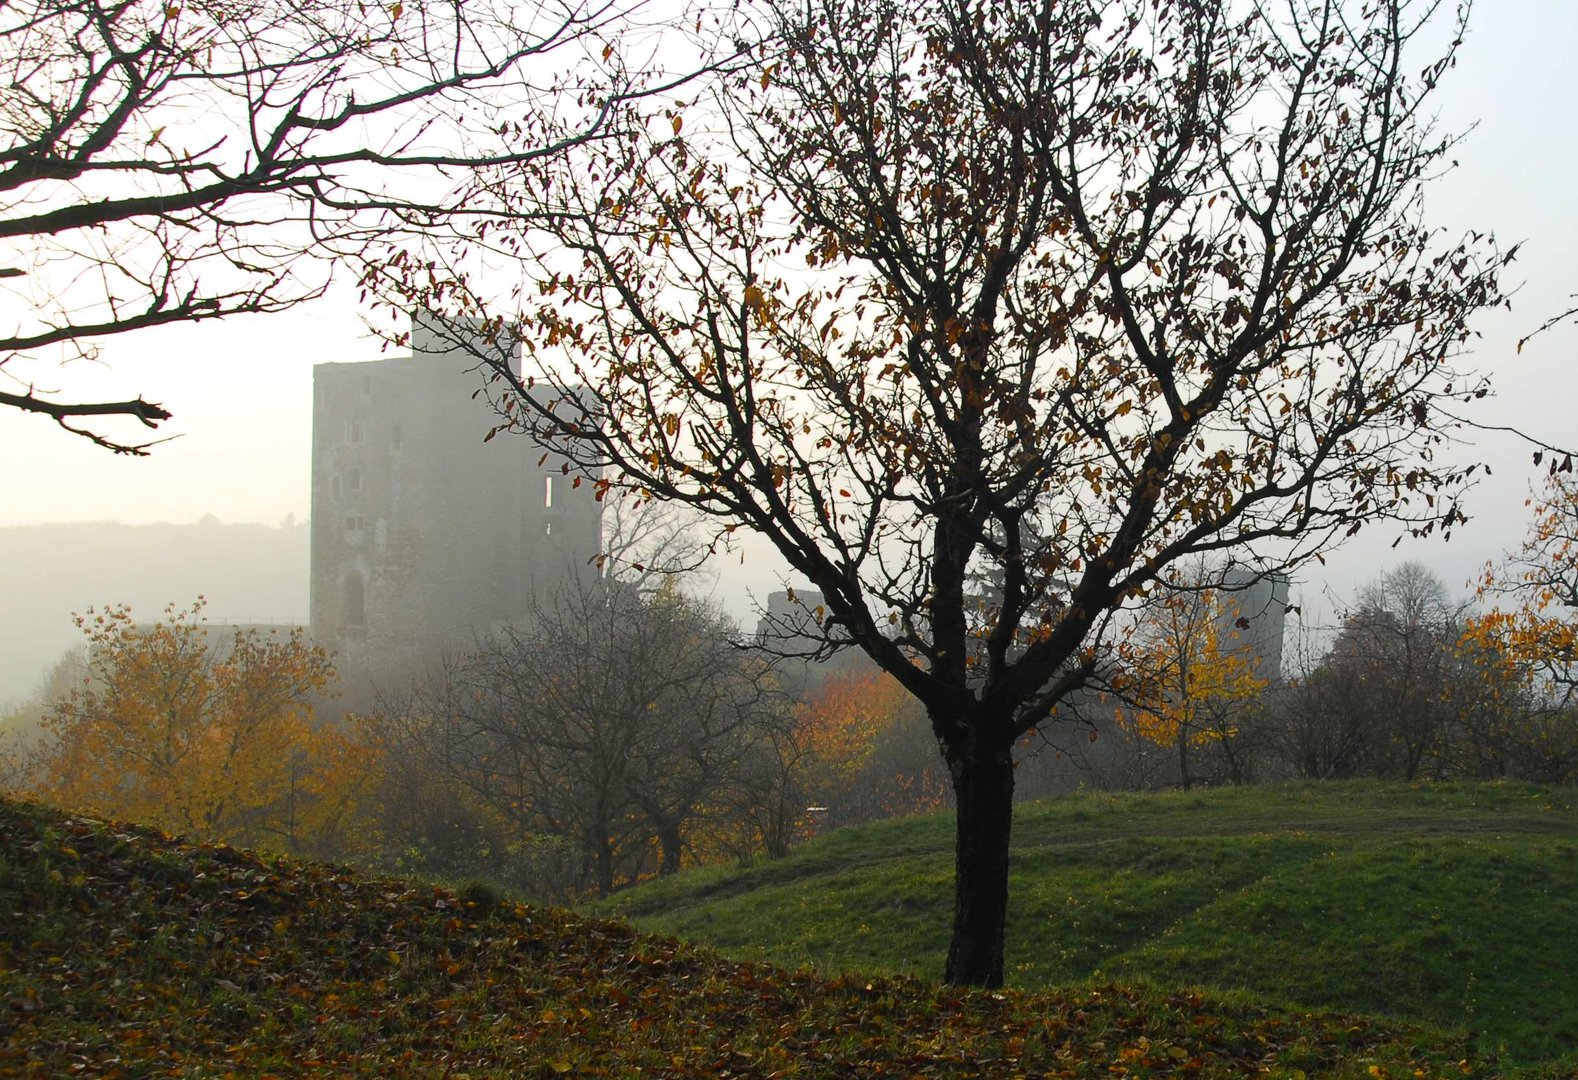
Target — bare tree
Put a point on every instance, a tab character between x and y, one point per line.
1049	296
607	718
645	545
1414	685
1397	663
768	798
174	162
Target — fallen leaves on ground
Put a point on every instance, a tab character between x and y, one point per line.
127	952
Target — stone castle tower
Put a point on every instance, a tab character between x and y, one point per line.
422	534
1261	601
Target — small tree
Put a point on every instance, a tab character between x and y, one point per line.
1537	631
1401	674
1541	628
203	733
1196	674
1496	729
985	315
764	810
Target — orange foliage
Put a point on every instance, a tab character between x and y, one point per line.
871	752
1540	632
841	721
192	733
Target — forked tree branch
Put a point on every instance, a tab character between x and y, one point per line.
148	413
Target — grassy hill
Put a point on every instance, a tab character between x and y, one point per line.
1454	905
124	952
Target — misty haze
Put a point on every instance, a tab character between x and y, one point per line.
959	539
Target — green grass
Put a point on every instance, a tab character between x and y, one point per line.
1453	905
125	952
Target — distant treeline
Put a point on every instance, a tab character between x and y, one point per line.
619	732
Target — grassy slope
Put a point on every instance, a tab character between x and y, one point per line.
1454	905
124	952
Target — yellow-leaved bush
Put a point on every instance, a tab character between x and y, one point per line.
205	730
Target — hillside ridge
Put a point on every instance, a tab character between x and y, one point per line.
1450	905
129	952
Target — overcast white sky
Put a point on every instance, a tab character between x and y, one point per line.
241	391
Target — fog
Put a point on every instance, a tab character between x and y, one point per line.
249	573
242	398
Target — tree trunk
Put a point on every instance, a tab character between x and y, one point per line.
775	837
602	851
983	786
669	842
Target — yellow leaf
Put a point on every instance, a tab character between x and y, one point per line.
679	122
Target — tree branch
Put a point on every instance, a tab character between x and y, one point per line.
148	413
